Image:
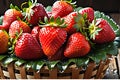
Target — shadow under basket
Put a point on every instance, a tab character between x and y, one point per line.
92	71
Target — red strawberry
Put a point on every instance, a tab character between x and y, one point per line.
4	38
101	32
70	21
74	21
16	26
10	16
59	55
35	12
61	8
51	39
77	46
89	13
35	32
27	47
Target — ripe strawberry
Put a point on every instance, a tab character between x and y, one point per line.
35	12
59	55
101	31
61	8
16	26
73	21
27	47
77	46
3	41
89	13
35	32
10	16
51	39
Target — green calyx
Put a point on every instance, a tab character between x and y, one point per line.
14	7
94	30
27	12
12	41
53	22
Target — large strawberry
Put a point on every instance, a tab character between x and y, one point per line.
77	46
10	16
52	37
3	41
35	12
61	8
74	22
27	47
35	32
101	31
88	13
16	26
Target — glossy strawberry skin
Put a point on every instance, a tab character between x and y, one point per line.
51	39
61	9
27	47
4	38
35	32
77	46
70	21
106	34
90	13
16	26
38	14
10	16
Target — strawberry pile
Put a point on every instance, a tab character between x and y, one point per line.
62	33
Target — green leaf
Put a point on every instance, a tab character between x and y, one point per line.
97	55
48	8
40	64
20	62
52	64
2	57
82	61
117	42
113	24
78	9
29	65
1	20
9	60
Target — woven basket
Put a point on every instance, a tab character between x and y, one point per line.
72	72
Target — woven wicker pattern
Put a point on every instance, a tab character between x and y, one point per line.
92	71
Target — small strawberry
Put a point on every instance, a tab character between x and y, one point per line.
16	26
4	38
89	12
74	22
35	32
35	12
77	46
27	47
62	8
101	31
10	16
52	37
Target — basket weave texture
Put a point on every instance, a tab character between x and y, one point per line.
92	71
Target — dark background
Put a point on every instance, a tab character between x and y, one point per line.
110	7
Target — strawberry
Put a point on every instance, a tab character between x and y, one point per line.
27	47
61	8
89	12
73	21
10	16
34	12
51	39
101	31
16	26
4	38
58	55
77	46
35	32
